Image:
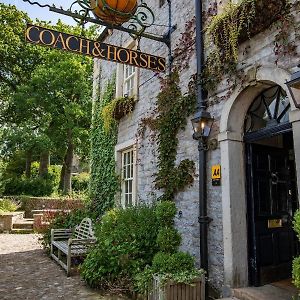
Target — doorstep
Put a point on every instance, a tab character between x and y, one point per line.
282	290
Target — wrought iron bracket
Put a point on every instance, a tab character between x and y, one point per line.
204	220
136	26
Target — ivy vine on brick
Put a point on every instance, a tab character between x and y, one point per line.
104	182
172	111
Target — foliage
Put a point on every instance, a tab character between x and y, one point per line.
126	243
115	110
168	240
165	213
103	181
18	59
173	109
7	205
296	261
81	181
27	186
172	263
237	23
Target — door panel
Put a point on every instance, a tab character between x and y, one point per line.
271	238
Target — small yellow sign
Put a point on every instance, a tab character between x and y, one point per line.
216	172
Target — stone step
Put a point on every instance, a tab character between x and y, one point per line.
23	224
267	292
230	298
21	231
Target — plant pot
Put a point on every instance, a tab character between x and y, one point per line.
179	291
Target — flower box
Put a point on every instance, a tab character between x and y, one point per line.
179	291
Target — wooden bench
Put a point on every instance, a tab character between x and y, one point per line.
71	243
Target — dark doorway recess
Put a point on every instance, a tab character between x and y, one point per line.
271	188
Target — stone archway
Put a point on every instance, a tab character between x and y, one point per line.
233	171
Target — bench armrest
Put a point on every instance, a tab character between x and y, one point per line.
61	234
89	241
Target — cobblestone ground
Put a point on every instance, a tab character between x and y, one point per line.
26	272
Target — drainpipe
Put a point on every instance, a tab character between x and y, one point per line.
203	218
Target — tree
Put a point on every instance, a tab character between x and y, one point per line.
18	59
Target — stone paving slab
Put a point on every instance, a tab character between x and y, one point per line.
26	272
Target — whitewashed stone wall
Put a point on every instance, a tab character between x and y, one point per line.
259	53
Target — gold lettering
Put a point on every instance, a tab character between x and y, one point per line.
143	58
68	43
28	34
162	64
42	37
119	56
98	49
109	48
151	61
133	57
60	39
87	46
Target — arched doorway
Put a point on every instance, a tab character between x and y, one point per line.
270	186
233	150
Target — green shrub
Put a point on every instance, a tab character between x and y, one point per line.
296	272
7	205
80	182
178	267
172	263
165	213
168	239
126	244
24	186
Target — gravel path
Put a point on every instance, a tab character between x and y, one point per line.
26	272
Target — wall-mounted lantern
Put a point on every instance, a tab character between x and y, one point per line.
202	124
294	88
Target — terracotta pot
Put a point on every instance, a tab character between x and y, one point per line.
114	12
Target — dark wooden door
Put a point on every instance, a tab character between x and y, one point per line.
270	210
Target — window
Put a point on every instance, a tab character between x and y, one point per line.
129	80
127	77
128	178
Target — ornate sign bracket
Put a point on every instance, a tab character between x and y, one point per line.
143	18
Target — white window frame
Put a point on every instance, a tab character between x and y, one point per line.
121	151
121	79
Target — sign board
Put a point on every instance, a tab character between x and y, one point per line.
59	40
216	172
216	175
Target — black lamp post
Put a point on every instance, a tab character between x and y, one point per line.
294	87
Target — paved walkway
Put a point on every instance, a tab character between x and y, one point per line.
26	272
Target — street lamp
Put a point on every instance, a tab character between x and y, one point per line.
202	124
294	87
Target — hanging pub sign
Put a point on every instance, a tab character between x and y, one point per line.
59	40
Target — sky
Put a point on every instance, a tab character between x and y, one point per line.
35	12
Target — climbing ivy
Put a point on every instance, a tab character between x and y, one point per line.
104	181
173	108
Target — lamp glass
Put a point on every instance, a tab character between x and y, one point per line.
202	126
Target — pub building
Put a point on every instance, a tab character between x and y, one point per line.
253	149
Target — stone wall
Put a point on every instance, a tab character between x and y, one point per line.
257	52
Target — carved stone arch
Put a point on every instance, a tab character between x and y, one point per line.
234	173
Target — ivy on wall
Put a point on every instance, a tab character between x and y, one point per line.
172	111
104	181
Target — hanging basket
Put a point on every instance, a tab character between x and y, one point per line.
115	12
266	13
123	107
